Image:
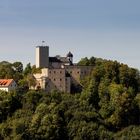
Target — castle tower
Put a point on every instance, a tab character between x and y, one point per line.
42	56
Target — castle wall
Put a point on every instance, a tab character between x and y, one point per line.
55	65
68	85
62	79
57	80
78	72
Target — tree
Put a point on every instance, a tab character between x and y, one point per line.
28	69
91	93
18	67
130	133
31	80
23	86
92	61
36	70
8	104
6	70
31	99
112	71
84	62
105	106
121	100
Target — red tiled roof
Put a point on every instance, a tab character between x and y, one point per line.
5	82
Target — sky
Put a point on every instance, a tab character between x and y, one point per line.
108	29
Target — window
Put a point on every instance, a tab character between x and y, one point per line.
60	71
54	71
54	79
60	79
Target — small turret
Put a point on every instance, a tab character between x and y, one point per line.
70	57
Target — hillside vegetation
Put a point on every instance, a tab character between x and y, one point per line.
108	108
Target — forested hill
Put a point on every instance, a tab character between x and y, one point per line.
107	108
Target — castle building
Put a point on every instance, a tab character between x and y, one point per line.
58	73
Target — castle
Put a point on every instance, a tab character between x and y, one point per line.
58	73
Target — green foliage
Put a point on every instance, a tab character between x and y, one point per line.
114	86
18	66
107	108
6	70
30	100
59	116
23	86
36	70
8	104
91	93
84	62
129	133
31	80
11	71
28	69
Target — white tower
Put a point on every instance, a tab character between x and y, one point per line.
42	56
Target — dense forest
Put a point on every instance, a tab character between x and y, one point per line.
108	108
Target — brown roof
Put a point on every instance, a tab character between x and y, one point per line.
5	82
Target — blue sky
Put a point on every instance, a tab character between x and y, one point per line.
109	29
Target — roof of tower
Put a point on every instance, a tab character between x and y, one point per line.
69	54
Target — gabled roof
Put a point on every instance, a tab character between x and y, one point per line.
5	82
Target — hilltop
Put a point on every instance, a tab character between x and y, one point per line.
108	107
